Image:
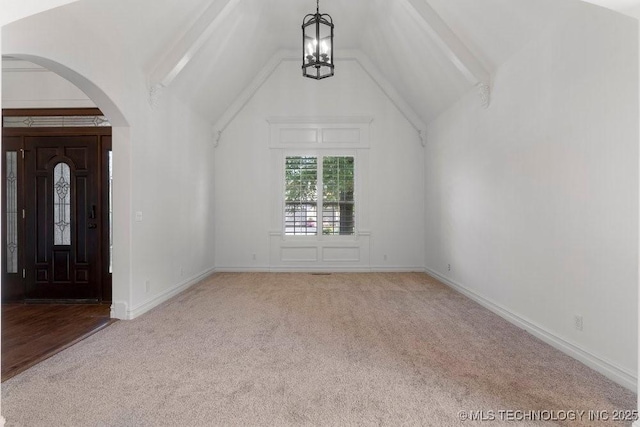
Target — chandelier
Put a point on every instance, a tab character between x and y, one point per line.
317	45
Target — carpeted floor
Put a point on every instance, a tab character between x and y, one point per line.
301	349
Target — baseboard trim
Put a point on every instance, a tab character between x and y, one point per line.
168	294
319	269
119	310
328	269
606	368
261	269
395	269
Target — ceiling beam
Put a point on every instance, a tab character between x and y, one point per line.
249	91
186	48
451	45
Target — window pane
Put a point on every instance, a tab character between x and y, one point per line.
301	188
61	205
12	211
338	207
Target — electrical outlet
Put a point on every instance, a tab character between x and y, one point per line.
254	257
448	267
385	257
578	322
147	285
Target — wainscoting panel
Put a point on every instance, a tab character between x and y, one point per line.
340	254
341	136
298	136
319	132
352	254
299	254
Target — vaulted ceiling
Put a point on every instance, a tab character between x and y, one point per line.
429	52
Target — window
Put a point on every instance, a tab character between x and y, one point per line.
11	170
301	196
62	204
319	184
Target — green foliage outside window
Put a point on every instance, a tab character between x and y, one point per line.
301	195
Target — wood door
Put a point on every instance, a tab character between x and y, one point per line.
62	218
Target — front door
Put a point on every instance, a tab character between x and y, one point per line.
62	224
56	210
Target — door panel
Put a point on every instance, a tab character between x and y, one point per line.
63	232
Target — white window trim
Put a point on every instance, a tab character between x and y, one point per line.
320	154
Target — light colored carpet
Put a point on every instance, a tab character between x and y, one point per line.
301	349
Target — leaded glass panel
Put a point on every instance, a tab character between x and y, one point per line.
54	121
12	211
61	205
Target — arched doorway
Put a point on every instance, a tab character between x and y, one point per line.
65	168
121	154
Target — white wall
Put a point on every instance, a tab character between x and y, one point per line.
635	13
534	202
162	161
173	188
13	10
27	85
245	178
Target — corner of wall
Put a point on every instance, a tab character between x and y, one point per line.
166	295
119	310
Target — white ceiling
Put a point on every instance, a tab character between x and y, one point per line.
389	33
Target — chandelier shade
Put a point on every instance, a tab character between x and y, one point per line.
317	45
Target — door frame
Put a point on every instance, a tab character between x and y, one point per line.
104	134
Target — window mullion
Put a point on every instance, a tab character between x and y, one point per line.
320	196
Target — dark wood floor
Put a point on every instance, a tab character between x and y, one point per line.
32	333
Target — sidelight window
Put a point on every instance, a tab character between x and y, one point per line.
322	184
61	204
12	211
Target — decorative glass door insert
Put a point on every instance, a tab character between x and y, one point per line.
62	204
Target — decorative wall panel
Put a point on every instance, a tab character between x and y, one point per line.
348	248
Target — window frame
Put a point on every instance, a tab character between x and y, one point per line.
320	154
